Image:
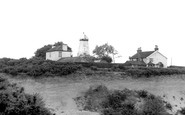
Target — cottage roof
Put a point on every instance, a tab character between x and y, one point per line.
142	54
59	48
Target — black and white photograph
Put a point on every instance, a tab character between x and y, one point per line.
92	57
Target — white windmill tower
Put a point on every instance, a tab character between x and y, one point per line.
83	46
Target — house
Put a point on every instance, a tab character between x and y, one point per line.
148	58
58	52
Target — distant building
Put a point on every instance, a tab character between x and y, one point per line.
83	47
58	52
147	58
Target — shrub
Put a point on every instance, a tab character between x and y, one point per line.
121	102
94	68
153	106
93	98
148	72
13	101
108	59
168	106
37	67
142	93
182	111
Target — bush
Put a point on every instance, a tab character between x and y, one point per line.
37	67
153	106
92	98
142	93
13	101
94	68
121	102
108	59
182	111
148	72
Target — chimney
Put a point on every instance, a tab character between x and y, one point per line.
156	48
139	50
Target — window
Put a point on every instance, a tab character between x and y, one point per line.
49	54
60	54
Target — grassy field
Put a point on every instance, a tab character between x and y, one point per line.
58	93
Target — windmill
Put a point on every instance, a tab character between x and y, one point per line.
83	46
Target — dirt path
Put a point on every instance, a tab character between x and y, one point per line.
58	93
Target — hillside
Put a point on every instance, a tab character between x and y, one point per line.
59	93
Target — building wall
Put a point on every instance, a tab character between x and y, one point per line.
55	55
52	56
66	54
156	57
83	48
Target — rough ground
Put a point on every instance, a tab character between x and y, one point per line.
58	93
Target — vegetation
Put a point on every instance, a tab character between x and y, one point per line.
36	67
41	52
107	59
148	72
40	67
105	50
14	101
121	102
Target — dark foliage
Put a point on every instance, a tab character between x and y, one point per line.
148	72
41	52
142	93
107	59
121	102
13	101
153	106
182	111
37	67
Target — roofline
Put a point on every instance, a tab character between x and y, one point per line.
141	52
158	52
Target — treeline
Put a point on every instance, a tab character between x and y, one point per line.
36	67
40	67
14	101
148	72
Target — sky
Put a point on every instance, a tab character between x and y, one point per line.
26	25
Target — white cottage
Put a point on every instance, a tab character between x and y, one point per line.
148	58
58	52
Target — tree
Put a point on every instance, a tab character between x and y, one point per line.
105	50
107	59
41	52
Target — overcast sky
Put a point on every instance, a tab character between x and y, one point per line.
26	25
